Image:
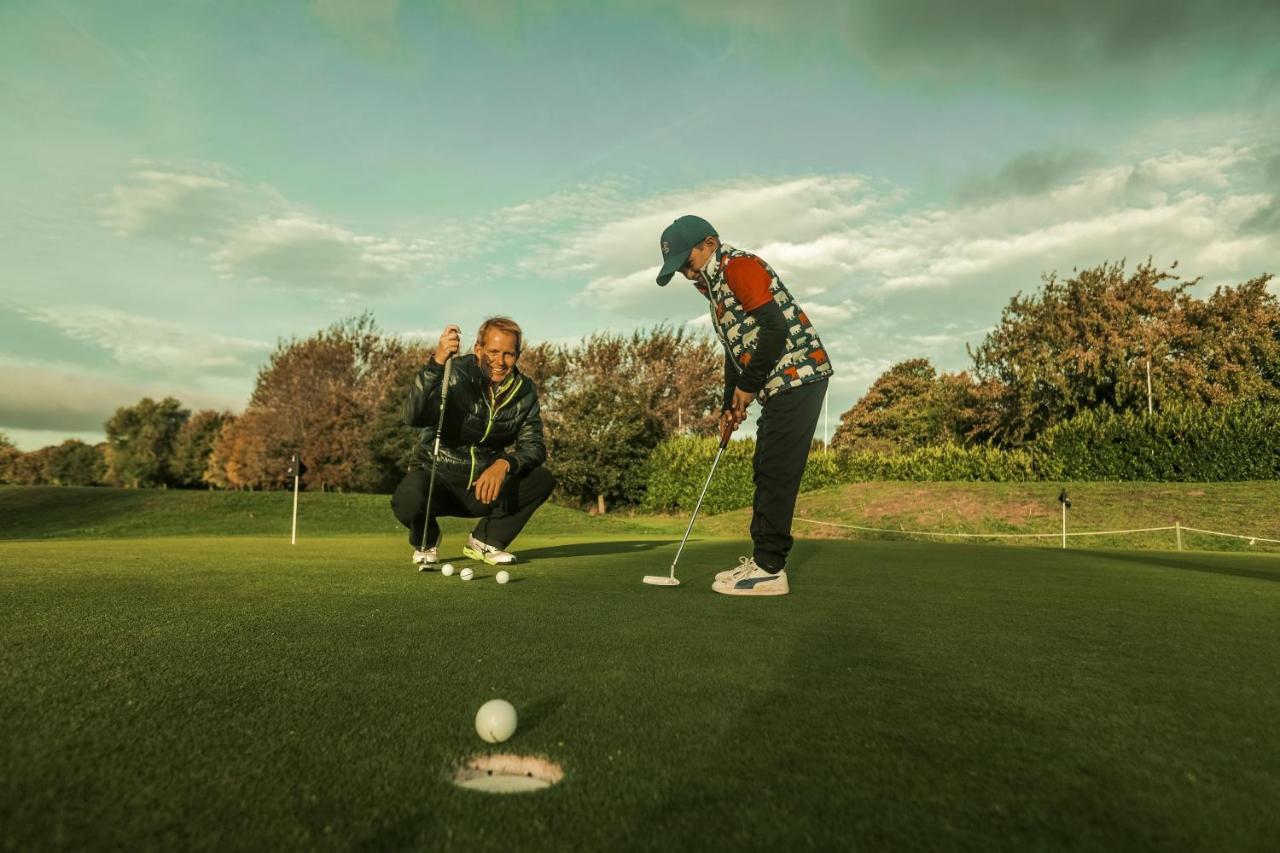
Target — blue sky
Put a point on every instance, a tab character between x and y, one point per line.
184	184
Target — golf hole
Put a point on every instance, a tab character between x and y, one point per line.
507	774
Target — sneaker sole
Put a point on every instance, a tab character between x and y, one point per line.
759	589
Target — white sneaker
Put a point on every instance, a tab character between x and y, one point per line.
744	567
477	550
750	579
425	560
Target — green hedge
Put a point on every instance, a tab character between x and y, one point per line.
678	468
1186	444
1178	443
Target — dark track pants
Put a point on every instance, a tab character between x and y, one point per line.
500	522
784	434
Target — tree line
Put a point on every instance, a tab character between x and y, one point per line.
1103	340
334	399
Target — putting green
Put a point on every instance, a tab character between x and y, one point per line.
232	693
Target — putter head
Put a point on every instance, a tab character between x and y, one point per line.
660	580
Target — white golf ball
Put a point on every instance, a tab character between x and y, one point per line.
466	574
503	576
446	569
496	720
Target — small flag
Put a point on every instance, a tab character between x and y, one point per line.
1063	499
296	468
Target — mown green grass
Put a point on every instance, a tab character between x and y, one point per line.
238	693
52	512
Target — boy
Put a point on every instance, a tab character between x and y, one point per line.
773	355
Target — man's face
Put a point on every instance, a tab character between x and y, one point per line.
497	354
698	256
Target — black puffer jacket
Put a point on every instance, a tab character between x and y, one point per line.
479	427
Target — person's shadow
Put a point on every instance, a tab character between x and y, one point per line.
592	549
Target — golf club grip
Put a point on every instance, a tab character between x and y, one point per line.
726	431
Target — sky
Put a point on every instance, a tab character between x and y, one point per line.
184	185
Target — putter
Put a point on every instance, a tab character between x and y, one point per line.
670	580
435	454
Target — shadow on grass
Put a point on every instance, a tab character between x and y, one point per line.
1159	561
540	711
593	549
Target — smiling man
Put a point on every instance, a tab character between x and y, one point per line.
491	446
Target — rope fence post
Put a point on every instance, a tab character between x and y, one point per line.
1177	529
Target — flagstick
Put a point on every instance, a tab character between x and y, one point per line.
296	477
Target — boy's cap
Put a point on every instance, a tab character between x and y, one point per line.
678	240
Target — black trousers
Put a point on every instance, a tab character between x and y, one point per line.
500	522
784	434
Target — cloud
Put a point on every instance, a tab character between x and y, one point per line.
157	346
369	26
309	254
167	203
250	231
60	400
1193	47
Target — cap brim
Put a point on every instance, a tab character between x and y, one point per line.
673	263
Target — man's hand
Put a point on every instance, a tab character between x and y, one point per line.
449	344
489	483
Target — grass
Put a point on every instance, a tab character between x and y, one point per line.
1247	508
233	692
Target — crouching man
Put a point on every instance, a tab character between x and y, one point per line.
491	447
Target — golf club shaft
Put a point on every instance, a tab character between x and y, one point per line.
724	443
435	451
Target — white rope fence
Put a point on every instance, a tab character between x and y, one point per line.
1177	527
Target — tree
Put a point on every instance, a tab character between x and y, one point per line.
74	463
909	406
194	446
9	455
318	398
141	441
1088	342
611	399
30	469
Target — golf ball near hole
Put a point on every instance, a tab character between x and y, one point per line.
466	574
503	576
496	721
446	569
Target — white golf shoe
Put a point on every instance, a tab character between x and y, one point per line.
750	579
477	550
744	567
426	560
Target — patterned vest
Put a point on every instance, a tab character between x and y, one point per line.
803	360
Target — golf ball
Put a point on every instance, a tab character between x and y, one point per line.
496	720
446	569
466	574
503	576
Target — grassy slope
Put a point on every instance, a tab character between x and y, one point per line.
1247	508
1244	508
236	693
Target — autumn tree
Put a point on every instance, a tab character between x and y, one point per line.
909	406
611	399
141	441
194	446
317	398
74	463
30	469
9	455
1090	342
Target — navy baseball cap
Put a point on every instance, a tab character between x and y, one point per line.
678	240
